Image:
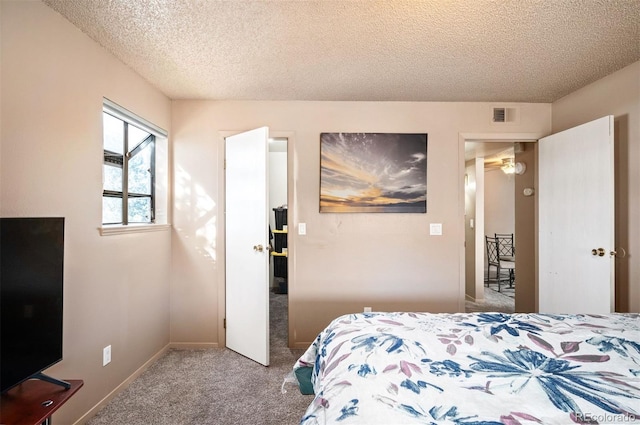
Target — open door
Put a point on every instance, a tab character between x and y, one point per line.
576	220
247	242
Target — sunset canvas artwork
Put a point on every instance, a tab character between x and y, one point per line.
373	172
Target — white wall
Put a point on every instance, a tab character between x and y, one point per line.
116	288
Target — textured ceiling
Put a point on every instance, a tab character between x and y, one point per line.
411	50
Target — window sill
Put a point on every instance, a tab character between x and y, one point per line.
133	228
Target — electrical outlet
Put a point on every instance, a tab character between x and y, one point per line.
367	309
106	355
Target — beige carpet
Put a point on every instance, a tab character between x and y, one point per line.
214	386
221	387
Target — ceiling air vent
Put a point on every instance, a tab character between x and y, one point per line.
499	114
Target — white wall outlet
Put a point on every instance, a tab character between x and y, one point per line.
435	229
367	309
106	355
302	228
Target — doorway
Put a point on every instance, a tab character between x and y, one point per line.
489	210
279	238
278	213
474	148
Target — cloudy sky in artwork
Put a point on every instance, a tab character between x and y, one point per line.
373	169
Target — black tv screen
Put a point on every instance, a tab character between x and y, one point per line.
31	285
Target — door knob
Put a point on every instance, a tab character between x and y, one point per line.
258	248
599	252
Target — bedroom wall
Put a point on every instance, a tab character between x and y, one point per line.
346	261
619	95
116	288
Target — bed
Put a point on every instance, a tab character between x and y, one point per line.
473	368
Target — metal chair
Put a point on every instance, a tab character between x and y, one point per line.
505	270
507	254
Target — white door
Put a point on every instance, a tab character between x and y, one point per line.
247	241
576	220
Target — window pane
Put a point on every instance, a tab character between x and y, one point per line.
113	133
140	171
111	210
139	210
112	178
136	136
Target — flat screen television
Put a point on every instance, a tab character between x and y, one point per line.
31	286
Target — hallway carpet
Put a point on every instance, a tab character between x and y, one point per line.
502	302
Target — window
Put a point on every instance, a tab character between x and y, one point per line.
129	167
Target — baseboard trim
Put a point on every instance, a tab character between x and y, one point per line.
193	345
92	412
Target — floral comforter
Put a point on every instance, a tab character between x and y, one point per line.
475	368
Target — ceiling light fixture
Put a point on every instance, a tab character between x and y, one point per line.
507	166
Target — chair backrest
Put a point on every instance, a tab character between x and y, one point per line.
505	244
492	250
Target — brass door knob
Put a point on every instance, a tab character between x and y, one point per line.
599	252
258	248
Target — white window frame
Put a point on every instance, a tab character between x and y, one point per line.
161	183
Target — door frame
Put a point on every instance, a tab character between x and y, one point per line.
221	237
484	138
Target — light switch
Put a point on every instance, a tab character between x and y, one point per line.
435	229
302	228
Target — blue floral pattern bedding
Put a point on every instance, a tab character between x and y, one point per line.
475	369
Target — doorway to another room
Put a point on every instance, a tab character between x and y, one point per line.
489	211
278	213
279	249
499	221
495	202
556	257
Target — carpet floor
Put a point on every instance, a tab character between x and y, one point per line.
502	302
221	387
214	386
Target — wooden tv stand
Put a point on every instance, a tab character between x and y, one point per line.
34	401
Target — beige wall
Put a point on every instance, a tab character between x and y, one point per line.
116	287
138	292
346	261
499	202
619	95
